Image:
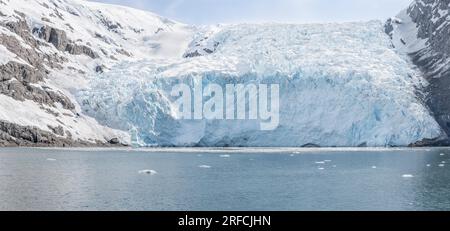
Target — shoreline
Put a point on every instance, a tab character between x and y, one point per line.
240	150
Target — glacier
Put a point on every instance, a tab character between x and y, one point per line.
341	84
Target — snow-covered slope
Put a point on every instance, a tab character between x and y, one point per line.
340	85
60	43
75	71
422	31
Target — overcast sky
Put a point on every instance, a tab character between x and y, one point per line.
300	11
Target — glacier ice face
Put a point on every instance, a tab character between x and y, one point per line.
340	85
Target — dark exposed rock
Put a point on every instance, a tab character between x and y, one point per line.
59	14
15	46
199	49
44	19
75	49
13	135
69	26
16	135
22	91
124	52
57	130
22	15
59	39
439	142
45	5
310	145
54	36
100	69
192	54
431	60
109	24
21	72
159	30
114	141
389	27
362	145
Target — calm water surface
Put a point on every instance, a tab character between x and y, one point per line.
199	179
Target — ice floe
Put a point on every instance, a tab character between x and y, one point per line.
149	172
204	166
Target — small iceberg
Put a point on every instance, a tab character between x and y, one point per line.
441	165
327	161
51	159
225	156
204	166
320	162
407	176
321	168
149	172
428	165
374	167
442	154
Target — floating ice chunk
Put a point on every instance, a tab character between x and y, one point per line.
225	156
292	155
407	176
51	159
443	162
374	167
327	160
321	168
320	162
442	154
296	152
441	165
149	172
334	166
204	166
428	165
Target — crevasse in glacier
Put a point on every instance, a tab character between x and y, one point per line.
340	85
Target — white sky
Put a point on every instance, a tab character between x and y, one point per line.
300	11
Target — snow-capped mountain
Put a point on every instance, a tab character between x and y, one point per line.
422	31
48	50
76	72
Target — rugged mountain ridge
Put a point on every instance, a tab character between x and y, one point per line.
51	48
422	31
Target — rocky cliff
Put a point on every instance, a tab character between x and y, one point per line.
49	49
422	31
